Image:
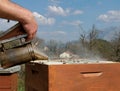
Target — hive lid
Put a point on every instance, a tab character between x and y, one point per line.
10	70
47	62
58	62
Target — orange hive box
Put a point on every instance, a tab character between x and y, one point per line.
56	76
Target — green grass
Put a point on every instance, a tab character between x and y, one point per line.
21	80
21	85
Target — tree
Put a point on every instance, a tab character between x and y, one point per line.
55	48
92	37
116	47
104	48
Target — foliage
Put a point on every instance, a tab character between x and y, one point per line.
88	44
104	47
21	85
21	79
116	48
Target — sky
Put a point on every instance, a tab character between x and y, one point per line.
65	20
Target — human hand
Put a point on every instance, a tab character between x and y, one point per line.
30	28
20	14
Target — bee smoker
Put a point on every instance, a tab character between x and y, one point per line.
14	50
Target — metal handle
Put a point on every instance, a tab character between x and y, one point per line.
91	74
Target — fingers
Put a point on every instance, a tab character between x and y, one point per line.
31	30
30	36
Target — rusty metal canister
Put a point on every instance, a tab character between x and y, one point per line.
20	55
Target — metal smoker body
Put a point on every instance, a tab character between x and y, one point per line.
15	50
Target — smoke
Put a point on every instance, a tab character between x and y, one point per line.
92	54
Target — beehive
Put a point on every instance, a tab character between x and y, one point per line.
72	77
9	79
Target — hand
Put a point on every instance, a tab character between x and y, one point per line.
30	28
12	11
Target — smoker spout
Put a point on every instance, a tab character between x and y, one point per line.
40	55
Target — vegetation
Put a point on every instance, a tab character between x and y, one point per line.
21	85
89	43
21	79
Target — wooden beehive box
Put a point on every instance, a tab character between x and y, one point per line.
9	79
73	77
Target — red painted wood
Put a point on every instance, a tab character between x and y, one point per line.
8	82
73	77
